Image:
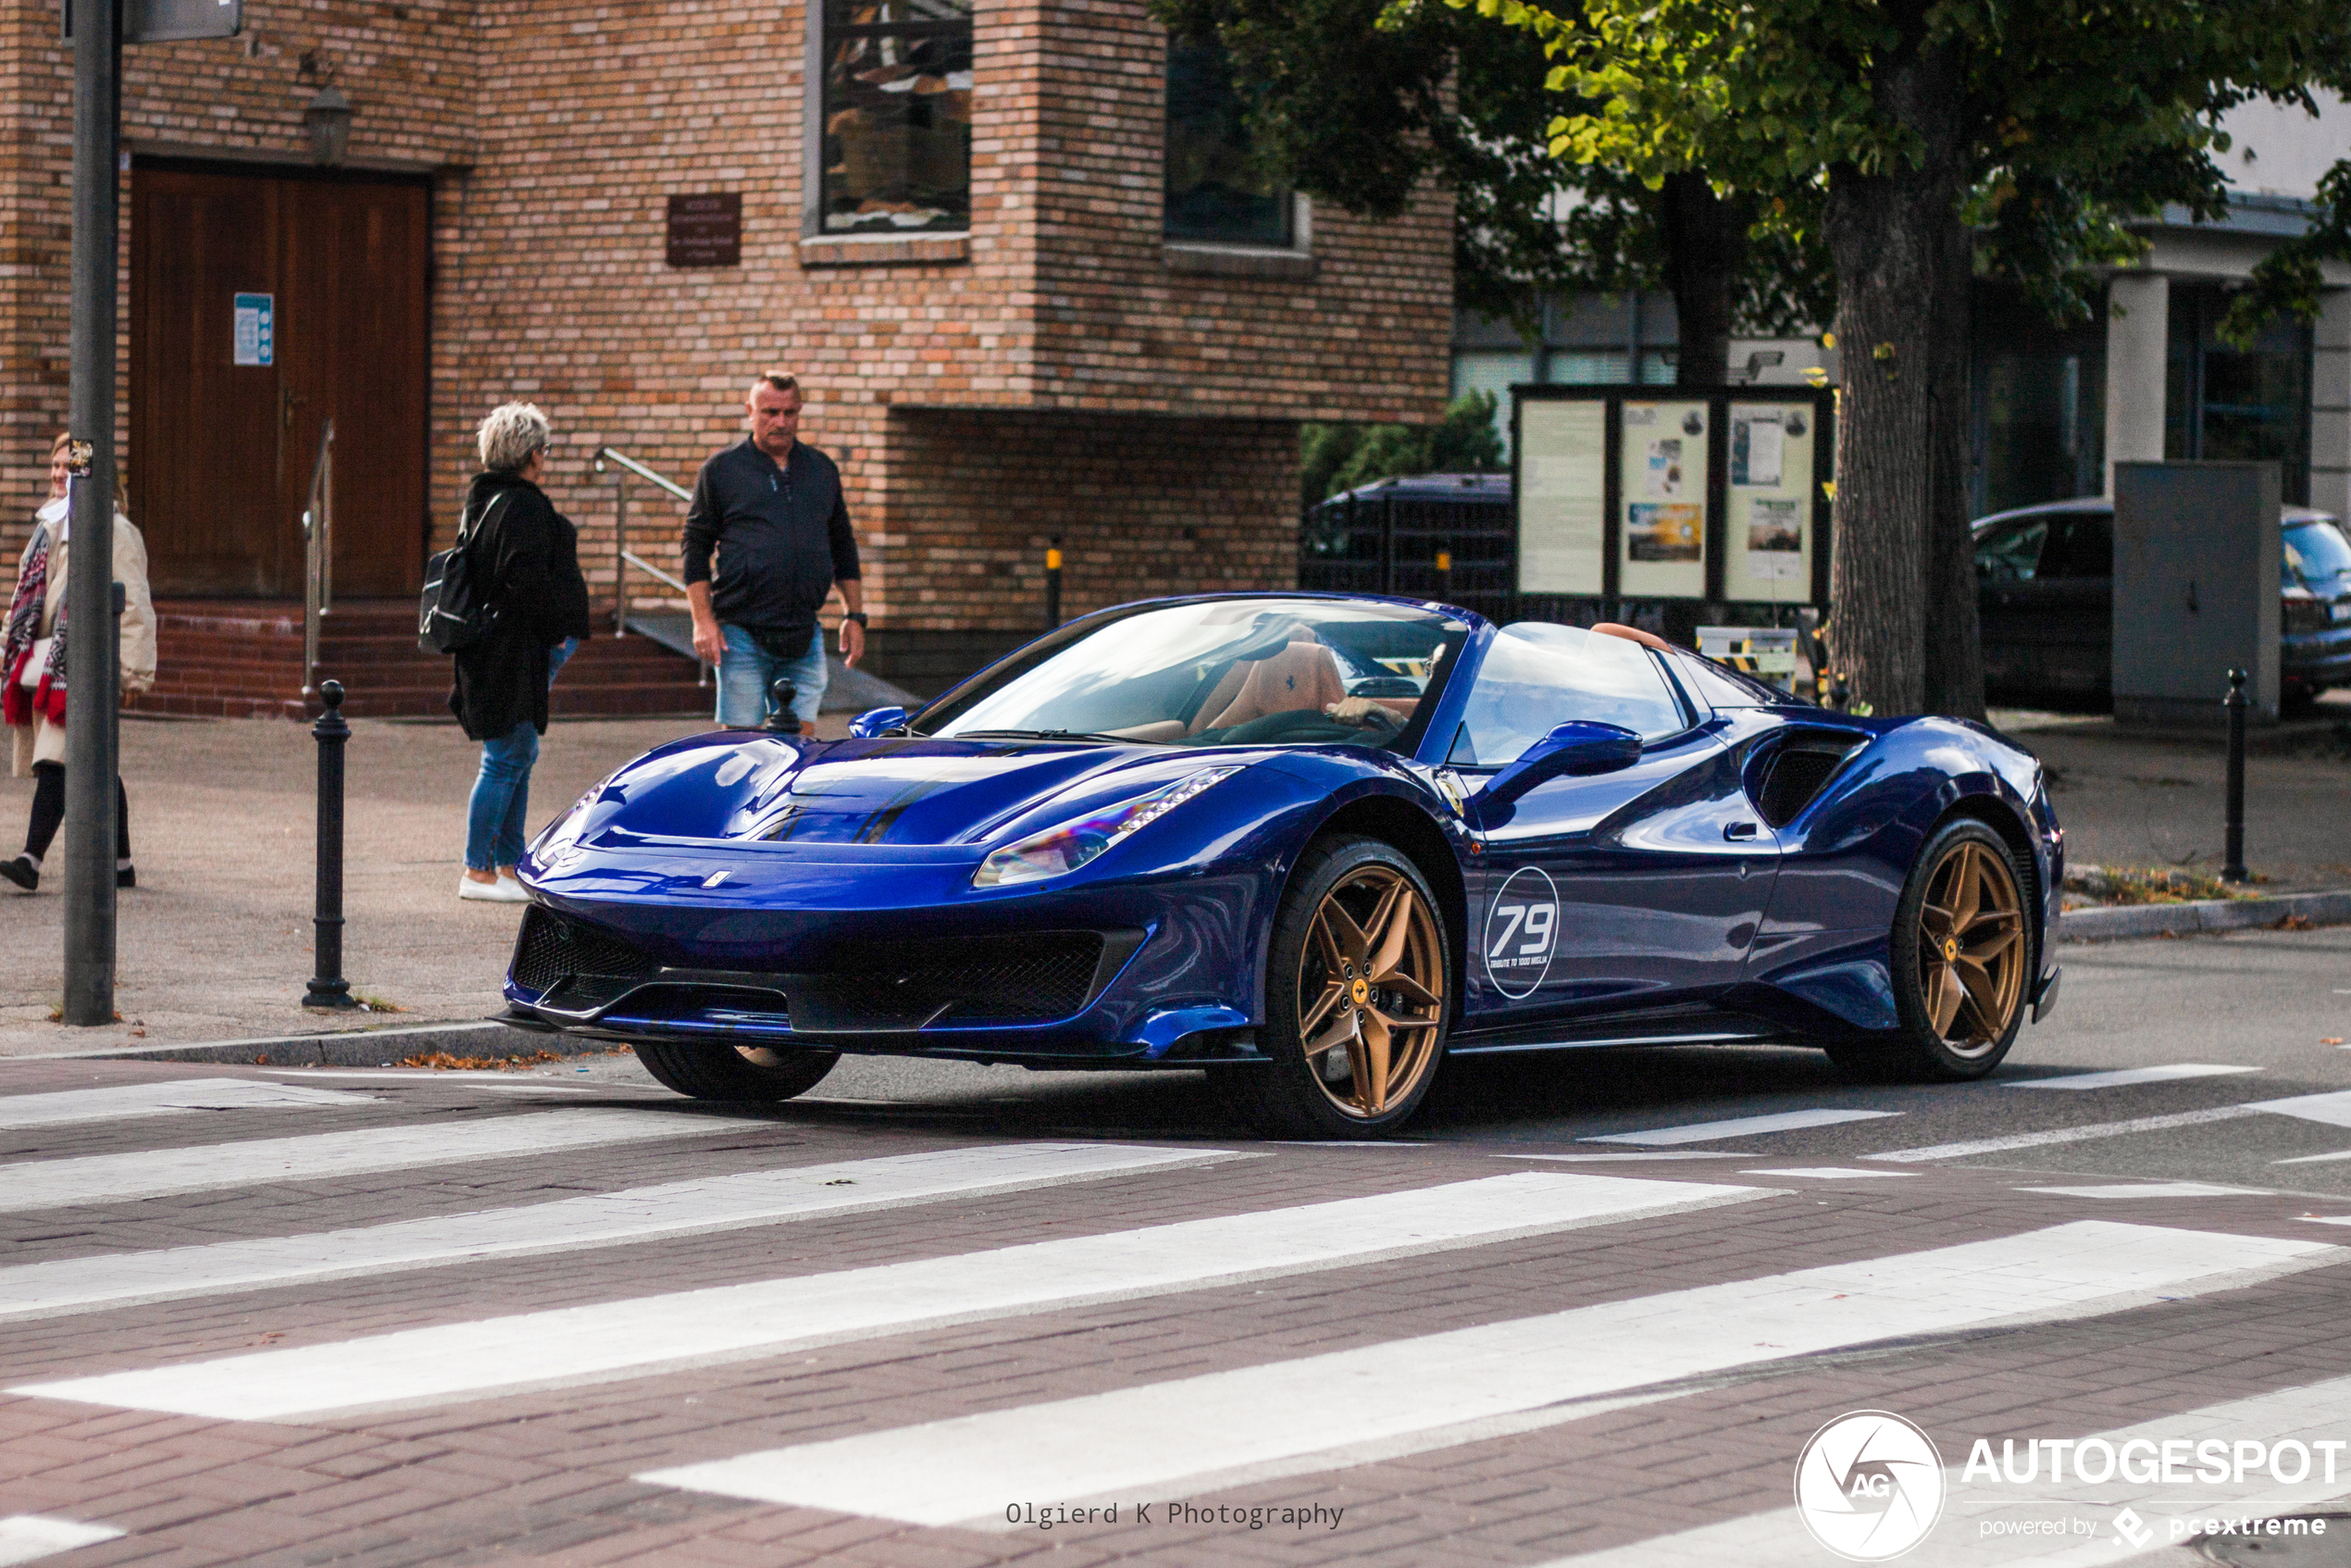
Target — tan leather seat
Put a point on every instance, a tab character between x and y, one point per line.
1302	677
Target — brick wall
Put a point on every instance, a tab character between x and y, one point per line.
555	132
1142	506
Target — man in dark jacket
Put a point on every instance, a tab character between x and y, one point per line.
772	509
526	556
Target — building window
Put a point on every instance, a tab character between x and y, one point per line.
897	116
2223	404
1215	195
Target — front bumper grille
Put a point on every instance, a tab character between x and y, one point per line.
552	948
579	972
968	981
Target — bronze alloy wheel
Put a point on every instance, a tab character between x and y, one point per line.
1371	991
1972	949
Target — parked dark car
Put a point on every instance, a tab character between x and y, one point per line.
2045	589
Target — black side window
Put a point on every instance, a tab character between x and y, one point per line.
2013	553
2083	547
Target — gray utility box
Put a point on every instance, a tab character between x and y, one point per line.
2196	590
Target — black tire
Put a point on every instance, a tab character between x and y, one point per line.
1987	953
746	1073
1376	1078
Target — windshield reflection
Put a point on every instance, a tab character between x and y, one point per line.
1257	672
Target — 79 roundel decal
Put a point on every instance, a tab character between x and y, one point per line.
1522	932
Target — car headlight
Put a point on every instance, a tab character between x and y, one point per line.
1057	852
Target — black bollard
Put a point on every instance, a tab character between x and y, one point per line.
1053	584
2233	871
327	988
781	697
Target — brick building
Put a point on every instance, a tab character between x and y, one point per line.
1028	292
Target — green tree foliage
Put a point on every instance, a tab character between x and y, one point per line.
1358	115
1337	458
2287	281
2043	121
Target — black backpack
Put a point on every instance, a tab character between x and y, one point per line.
450	612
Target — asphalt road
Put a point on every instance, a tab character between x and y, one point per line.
1593	1312
2267	1001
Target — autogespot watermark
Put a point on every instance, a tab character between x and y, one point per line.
1052	1515
1870	1485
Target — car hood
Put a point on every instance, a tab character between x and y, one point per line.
902	791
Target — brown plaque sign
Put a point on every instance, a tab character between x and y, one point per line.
706	231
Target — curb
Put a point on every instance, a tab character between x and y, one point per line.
356	1048
2207	914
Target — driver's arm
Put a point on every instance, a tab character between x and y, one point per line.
1363	711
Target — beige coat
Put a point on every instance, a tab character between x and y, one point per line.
44	741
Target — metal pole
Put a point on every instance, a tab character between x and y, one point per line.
619	552
1053	584
2233	870
90	674
327	988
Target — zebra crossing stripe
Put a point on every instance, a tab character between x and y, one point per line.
2334	1108
602	1219
2305	1415
2168	1073
29	1538
696	1328
1741	1126
178	1097
155	1173
1416	1394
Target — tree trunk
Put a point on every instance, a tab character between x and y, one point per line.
1954	640
1705	252
1885	233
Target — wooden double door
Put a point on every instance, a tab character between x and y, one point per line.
222	447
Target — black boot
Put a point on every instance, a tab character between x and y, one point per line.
23	872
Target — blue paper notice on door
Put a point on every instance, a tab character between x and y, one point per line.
254	329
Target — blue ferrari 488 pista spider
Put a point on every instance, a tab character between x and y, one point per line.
1315	844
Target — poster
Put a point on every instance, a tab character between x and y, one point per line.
252	334
1661	518
1768	544
1661	475
1562	516
1756	447
1654	532
1775	540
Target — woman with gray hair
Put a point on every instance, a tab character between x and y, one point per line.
525	557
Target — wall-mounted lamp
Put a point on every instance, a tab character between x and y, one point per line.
328	121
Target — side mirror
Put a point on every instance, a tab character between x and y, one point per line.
1579	749
876	722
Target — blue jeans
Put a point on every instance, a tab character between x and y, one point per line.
747	670
502	800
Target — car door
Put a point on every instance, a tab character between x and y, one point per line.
2007	556
1627	891
2072	601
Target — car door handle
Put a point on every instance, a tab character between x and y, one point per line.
1739	831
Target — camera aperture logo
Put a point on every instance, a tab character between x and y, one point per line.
1869	1486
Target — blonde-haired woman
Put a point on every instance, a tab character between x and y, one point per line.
34	665
525	555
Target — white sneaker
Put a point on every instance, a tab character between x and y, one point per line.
503	890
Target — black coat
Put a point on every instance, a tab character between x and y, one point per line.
526	556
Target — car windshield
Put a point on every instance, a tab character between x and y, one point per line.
1231	672
2318	557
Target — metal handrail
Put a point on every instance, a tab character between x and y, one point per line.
622	557
318	553
605	453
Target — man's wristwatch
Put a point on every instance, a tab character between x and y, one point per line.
857	615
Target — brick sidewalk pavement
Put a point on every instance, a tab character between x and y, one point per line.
214	941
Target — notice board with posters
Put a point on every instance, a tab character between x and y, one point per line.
1673	492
